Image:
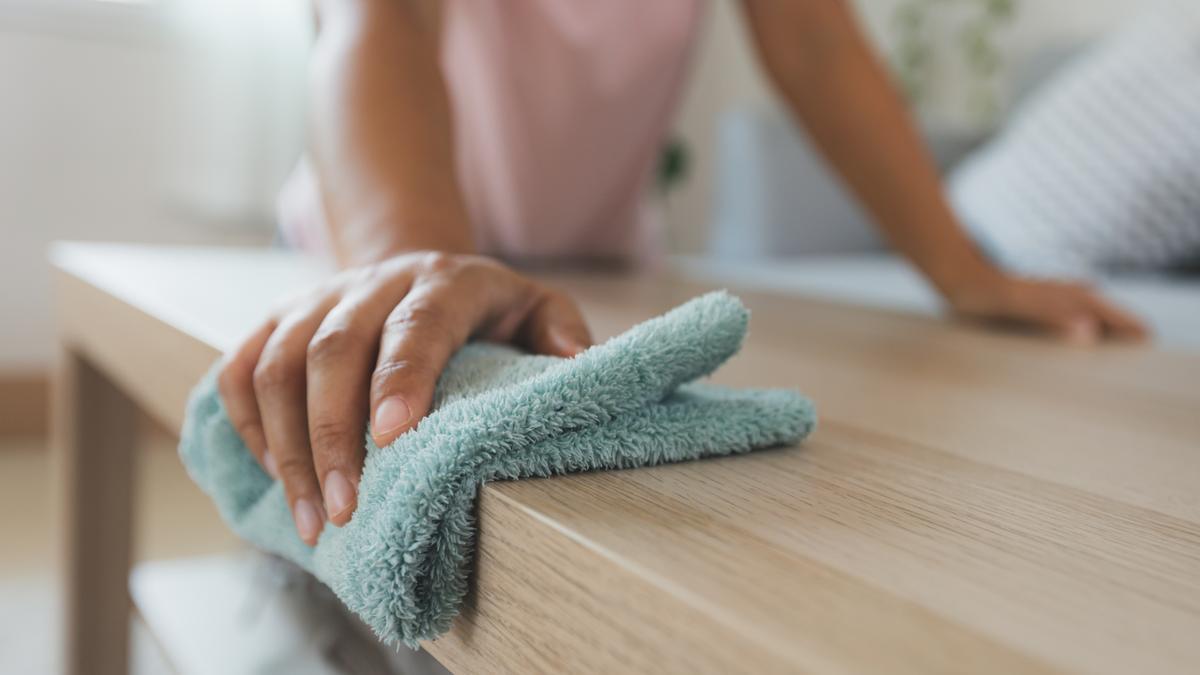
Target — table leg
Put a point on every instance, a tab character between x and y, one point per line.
94	437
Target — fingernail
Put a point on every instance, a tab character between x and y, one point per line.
339	493
269	464
308	520
390	415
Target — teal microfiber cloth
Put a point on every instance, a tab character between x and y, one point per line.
402	561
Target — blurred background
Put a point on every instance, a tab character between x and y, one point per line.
176	121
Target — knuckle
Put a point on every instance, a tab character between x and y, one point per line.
272	374
483	269
426	319
331	345
350	276
296	471
385	377
439	262
371	274
403	262
366	275
247	428
329	435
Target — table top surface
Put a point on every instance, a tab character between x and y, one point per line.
971	501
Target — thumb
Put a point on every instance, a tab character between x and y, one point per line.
556	327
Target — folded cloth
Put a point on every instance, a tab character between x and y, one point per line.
402	561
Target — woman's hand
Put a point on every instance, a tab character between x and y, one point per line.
1073	312
373	339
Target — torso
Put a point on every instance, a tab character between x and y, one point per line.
560	110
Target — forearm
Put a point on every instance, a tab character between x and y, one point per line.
381	135
829	77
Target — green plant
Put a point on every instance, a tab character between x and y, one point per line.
918	44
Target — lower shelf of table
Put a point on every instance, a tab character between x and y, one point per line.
248	613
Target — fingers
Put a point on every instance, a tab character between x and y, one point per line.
341	356
419	337
374	340
236	385
1120	324
1081	316
1076	328
556	327
1071	312
280	388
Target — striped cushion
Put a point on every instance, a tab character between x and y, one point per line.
1101	169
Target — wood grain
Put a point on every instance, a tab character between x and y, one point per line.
971	502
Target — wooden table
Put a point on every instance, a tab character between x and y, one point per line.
971	502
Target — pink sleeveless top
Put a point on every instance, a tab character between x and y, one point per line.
560	111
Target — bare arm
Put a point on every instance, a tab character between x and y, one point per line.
381	136
370	343
825	70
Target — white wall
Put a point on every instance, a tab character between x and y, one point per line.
114	125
